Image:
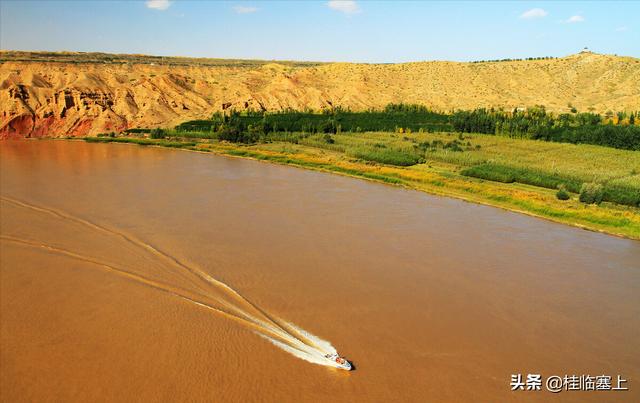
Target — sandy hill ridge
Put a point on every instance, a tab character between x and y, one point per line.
60	94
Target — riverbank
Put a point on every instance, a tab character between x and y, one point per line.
442	174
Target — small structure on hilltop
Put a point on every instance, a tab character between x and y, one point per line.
586	50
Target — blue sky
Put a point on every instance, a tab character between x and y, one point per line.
357	31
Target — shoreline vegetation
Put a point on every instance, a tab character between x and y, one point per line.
521	167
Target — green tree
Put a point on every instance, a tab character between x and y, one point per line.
591	193
562	193
608	115
157	134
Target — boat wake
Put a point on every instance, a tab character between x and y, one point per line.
157	269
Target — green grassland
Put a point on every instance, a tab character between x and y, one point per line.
516	174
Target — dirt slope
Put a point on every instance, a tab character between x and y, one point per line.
59	94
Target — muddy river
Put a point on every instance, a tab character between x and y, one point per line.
144	274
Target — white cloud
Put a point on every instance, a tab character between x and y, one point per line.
622	29
344	6
245	9
158	4
575	18
534	13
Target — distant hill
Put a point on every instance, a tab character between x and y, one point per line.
68	93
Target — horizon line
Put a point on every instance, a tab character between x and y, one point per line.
530	58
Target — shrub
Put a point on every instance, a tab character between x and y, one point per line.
490	172
453	146
621	194
157	134
591	193
111	134
328	139
562	193
387	156
234	135
139	141
508	174
137	130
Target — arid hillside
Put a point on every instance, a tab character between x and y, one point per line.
60	94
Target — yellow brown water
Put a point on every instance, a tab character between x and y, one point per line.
115	262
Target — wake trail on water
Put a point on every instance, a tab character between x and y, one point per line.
206	291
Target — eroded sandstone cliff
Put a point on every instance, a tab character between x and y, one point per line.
84	94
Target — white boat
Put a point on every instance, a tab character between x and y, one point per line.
339	361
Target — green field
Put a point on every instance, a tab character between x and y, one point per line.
508	160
